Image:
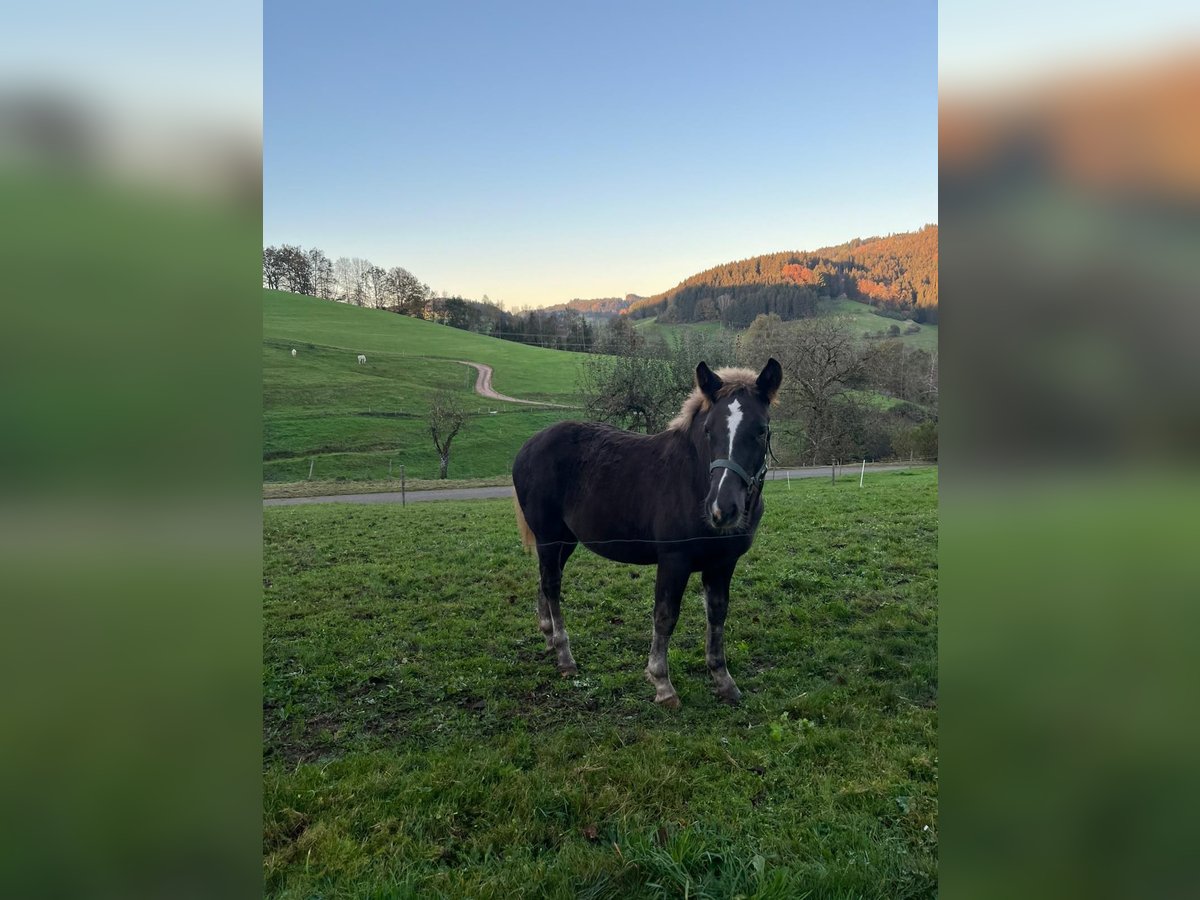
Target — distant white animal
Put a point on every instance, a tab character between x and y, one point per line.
361	359
492	413
293	352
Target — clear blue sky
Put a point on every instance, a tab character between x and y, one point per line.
537	152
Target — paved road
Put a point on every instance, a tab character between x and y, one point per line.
486	493
483	387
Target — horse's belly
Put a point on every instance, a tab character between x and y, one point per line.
638	553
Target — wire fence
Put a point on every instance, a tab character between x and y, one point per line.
394	466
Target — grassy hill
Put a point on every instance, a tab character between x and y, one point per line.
859	318
651	326
352	419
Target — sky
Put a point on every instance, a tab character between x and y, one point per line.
989	44
537	152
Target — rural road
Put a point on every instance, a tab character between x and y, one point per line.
483	387
486	493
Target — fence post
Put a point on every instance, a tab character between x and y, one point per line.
389	470
312	462
403	488
862	473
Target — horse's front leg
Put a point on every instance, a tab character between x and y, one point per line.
668	592
716	605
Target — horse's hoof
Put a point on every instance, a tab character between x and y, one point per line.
568	671
733	698
671	701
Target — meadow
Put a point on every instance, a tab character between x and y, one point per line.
418	741
858	317
651	327
327	419
348	422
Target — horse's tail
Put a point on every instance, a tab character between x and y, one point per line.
527	538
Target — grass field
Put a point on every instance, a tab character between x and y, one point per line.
418	741
352	420
326	416
652	326
859	318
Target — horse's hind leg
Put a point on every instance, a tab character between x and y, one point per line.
552	556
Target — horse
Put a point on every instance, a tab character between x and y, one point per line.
361	359
293	353
666	499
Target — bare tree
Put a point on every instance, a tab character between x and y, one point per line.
295	269
376	280
637	391
447	415
411	295
641	384
351	276
272	267
322	273
821	361
619	338
931	381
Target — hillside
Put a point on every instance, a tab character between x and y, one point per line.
897	274
600	308
859	318
322	405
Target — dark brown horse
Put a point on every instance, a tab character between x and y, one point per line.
687	500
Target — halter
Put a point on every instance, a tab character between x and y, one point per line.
757	480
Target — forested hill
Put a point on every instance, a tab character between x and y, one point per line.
603	307
897	273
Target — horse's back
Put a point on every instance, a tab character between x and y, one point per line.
557	456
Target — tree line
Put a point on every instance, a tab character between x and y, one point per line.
896	274
840	400
360	282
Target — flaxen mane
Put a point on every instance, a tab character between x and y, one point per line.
735	380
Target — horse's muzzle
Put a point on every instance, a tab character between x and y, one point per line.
724	517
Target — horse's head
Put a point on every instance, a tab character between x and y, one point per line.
735	431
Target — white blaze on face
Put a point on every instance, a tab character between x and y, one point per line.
735	419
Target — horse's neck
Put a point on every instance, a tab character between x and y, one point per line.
686	453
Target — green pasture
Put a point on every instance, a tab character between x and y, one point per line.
349	420
858	317
418	741
652	327
861	317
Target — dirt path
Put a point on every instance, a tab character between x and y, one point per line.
483	387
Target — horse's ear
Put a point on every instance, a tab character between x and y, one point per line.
707	381
769	379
